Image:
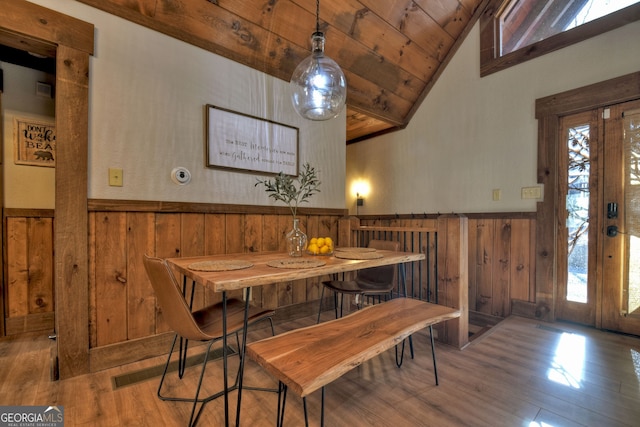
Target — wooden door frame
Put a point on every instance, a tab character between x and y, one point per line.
33	28
2	311
548	112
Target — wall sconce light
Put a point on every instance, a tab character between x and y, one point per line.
361	190
359	202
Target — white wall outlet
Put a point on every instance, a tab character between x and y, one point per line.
180	175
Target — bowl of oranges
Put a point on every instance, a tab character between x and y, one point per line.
320	246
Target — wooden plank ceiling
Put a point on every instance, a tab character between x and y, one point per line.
391	51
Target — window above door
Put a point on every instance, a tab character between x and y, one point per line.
514	31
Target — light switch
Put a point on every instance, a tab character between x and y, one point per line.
115	177
497	194
531	193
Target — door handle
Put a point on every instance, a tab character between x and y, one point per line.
612	231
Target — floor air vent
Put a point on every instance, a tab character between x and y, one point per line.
141	375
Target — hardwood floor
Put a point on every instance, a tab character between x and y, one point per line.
519	373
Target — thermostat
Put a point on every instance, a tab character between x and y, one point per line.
181	176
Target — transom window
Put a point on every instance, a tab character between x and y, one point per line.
514	31
524	22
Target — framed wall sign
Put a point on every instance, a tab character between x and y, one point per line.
34	142
241	141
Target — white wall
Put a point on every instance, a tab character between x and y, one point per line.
472	135
147	98
25	187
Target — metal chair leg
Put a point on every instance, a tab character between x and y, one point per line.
166	366
182	356
320	304
433	354
193	421
400	359
184	343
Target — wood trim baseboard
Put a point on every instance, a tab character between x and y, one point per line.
483	215
110	356
524	309
30	323
28	213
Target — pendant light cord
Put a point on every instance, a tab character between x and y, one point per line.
317	16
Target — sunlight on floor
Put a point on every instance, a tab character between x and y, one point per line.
568	363
539	424
635	356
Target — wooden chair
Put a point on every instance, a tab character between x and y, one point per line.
201	325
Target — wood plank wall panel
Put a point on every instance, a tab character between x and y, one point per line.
141	301
192	243
29	298
522	259
484	230
501	268
270	242
40	265
167	245
111	283
17	267
501	259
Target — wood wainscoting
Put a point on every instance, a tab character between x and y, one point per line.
123	313
124	322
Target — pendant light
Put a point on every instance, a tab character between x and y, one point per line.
318	85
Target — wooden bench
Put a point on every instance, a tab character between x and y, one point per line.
305	360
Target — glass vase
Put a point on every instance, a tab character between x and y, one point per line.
296	240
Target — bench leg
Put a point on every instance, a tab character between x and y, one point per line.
282	399
322	410
306	417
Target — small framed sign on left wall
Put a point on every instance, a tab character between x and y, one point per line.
34	142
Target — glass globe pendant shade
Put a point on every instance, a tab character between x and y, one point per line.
319	88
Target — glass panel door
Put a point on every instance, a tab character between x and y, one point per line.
621	256
578	213
631	152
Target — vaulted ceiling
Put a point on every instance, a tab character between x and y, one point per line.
391	51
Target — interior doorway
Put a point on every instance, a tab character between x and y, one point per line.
30	27
28	191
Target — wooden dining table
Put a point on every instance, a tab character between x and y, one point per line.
265	268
